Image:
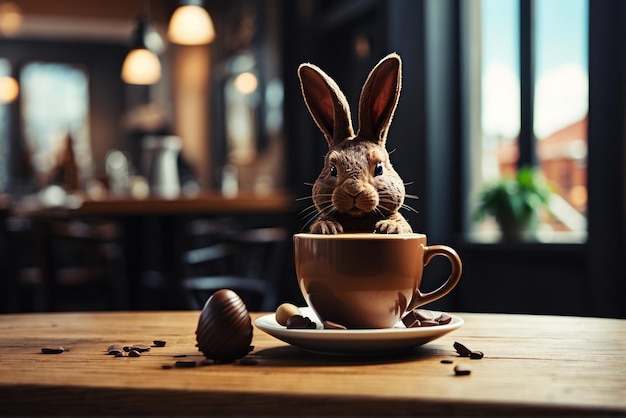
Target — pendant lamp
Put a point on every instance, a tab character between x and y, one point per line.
9	89
10	19
141	65
191	24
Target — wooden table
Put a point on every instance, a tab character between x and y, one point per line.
533	365
203	203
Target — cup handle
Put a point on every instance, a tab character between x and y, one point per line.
431	251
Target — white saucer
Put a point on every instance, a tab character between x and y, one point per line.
355	341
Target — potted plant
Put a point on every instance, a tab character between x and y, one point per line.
515	203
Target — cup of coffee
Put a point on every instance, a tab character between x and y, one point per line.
367	280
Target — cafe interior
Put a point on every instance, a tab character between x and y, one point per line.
146	163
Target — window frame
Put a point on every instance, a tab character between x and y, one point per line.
109	98
471	75
600	257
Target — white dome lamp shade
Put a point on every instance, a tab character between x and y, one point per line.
141	65
191	24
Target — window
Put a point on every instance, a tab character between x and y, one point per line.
5	99
55	109
533	106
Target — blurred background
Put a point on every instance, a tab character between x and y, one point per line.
201	153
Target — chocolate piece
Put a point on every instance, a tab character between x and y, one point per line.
425	318
462	370
224	331
444	319
300	322
462	350
410	320
333	325
52	350
159	343
424	314
420	318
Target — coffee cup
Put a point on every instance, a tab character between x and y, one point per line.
368	280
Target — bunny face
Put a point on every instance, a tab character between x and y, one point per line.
358	190
359	180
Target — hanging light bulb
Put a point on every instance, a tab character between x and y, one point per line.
141	65
191	24
9	89
10	19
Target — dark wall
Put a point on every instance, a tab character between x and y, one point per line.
572	279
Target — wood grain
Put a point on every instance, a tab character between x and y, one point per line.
533	365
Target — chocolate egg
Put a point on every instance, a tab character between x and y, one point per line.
224	329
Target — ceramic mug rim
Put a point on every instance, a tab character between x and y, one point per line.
362	236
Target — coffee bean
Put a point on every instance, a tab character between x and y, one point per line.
462	350
52	350
476	355
182	363
462	370
115	347
121	354
140	347
126	348
115	352
159	343
134	353
446	361
332	325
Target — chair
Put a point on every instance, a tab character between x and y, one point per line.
66	264
23	272
246	261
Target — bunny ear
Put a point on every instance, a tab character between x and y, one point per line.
326	103
379	99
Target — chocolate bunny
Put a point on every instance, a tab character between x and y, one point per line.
358	190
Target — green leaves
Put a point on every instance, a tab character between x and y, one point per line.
514	199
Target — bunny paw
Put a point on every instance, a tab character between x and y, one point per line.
388	226
326	227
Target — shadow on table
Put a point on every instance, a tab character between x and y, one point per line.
288	356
